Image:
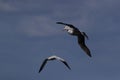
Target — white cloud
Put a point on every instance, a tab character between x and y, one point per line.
37	26
6	7
88	15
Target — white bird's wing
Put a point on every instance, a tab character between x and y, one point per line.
53	58
43	64
63	61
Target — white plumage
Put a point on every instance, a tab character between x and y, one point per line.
53	58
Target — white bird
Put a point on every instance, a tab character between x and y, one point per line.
53	58
81	36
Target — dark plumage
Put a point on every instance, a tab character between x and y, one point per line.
80	35
53	58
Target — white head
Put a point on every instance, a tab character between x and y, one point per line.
68	29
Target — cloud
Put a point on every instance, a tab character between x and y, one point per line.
86	15
37	26
6	7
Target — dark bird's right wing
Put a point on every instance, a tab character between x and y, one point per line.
63	23
70	25
43	64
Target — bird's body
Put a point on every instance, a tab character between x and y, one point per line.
80	35
53	58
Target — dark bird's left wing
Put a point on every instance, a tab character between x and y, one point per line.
81	41
85	48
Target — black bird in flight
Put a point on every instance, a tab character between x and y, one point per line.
80	35
53	58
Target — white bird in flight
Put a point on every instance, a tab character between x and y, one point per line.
53	58
80	35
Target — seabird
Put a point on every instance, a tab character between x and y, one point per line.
80	35
53	58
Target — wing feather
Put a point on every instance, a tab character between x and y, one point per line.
81	41
43	64
66	65
70	25
63	61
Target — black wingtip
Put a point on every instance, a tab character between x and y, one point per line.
39	71
69	68
89	54
59	23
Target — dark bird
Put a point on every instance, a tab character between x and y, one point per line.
53	58
80	35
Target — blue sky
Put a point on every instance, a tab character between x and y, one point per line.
29	33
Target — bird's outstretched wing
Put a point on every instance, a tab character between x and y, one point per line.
70	25
66	64
53	58
43	64
85	48
63	23
63	61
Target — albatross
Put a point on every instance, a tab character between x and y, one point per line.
53	58
72	30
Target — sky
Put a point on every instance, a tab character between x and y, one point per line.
29	34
